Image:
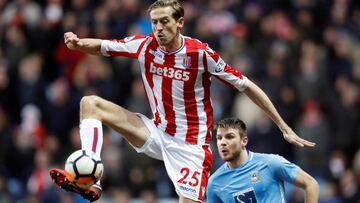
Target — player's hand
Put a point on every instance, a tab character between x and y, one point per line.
71	40
294	139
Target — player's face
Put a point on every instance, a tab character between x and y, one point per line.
230	144
166	29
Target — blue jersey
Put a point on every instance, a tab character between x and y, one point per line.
260	179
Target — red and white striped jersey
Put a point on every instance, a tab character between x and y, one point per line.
177	84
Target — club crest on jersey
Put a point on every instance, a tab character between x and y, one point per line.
157	54
219	66
186	62
254	176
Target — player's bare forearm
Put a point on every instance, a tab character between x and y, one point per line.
87	45
262	100
90	46
312	194
310	185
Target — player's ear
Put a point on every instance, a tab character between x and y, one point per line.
180	22
245	140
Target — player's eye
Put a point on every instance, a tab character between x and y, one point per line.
164	21
229	137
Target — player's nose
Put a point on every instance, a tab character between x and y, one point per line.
158	27
222	142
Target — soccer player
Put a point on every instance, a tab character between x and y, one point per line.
252	177
176	72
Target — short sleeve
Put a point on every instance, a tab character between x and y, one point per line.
283	169
224	72
127	47
211	196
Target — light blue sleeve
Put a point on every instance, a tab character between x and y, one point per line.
283	169
211	196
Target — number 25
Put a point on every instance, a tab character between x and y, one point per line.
194	181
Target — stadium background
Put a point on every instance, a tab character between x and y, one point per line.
305	54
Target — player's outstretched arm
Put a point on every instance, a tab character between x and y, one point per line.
262	100
87	45
310	185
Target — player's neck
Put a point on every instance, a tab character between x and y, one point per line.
175	45
240	160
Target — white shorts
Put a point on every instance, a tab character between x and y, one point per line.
188	166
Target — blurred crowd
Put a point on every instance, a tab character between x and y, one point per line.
305	54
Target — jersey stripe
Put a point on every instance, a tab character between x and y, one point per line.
149	78
167	97
192	116
126	41
207	101
95	140
230	71
126	54
224	81
208	160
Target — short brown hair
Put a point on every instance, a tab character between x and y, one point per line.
174	4
233	123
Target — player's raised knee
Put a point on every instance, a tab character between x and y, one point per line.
89	106
90	101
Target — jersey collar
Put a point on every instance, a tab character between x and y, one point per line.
177	50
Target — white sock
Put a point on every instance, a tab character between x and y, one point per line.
91	135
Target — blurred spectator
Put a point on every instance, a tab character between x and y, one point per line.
356	64
306	24
60	105
8	99
252	16
5	196
340	62
119	195
31	84
137	102
54	11
22	13
244	106
349	188
39	180
117	171
345	114
83	11
262	130
5	138
148	196
313	125
15	45
31	127
337	164
329	193
95	73
101	23
311	78
68	61
356	171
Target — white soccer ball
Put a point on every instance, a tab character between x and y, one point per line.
84	167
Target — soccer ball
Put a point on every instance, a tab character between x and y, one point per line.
84	167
